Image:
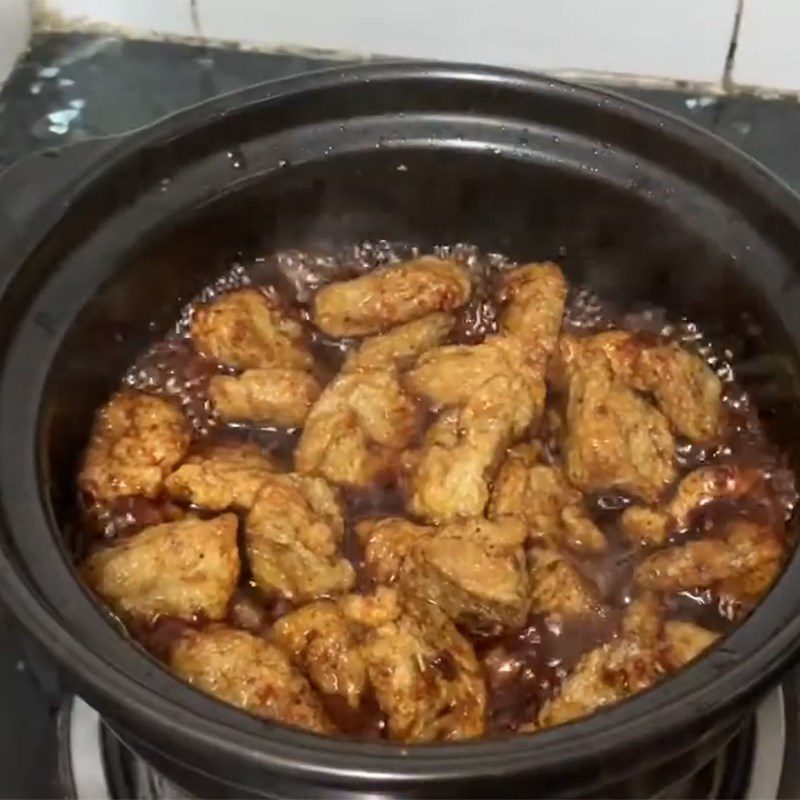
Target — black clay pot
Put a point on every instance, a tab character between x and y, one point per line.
634	202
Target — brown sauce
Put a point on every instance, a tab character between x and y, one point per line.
128	515
524	667
367	721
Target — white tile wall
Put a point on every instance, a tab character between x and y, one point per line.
679	39
669	38
769	44
14	28
675	38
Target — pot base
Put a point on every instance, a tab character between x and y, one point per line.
95	763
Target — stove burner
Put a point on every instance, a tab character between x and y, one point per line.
95	764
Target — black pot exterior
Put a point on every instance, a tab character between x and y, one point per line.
637	204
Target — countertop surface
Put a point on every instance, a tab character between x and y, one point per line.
72	87
75	86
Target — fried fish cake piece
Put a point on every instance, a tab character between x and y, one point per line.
685	641
423	672
616	439
616	350
319	639
220	477
292	537
426	677
740	593
557	588
449	375
248	672
177	569
474	570
450	476
452	375
684	387
536	295
248	329
613	671
489	399
387	542
136	441
399	346
549	505
372	610
645	526
745	549
391	295
357	428
652	526
266	396
706	484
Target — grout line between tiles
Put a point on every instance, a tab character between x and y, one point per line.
194	14
730	56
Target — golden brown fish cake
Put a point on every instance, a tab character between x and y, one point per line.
386	543
557	588
653	526
684	387
426	677
615	439
474	570
450	476
745	548
541	496
250	673
247	329
319	640
292	535
613	671
357	428
685	641
536	294
399	346
220	477
399	293
178	569
265	396
136	441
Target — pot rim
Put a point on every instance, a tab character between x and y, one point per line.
730	674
